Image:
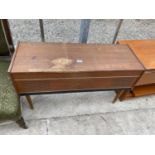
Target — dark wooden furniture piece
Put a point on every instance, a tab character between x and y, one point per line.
145	52
56	67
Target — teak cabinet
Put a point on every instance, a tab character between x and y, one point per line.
59	67
145	52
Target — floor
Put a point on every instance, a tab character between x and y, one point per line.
84	113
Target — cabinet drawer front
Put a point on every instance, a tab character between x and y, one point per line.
51	85
93	74
148	77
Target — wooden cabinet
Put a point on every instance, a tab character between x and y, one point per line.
52	67
148	77
145	52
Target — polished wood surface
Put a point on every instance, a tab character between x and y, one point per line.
148	77
69	84
139	91
59	57
144	50
144	90
53	67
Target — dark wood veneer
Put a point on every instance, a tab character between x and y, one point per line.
49	67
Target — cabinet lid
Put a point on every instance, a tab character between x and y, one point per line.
144	50
73	57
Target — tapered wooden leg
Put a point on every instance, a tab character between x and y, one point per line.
29	101
132	93
122	96
21	123
118	94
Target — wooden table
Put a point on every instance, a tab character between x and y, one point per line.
145	52
38	68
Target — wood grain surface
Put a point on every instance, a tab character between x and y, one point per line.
59	57
144	50
72	84
49	67
140	91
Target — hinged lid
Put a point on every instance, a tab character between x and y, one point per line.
71	57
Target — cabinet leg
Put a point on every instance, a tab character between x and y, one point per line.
132	93
21	123
122	96
29	101
119	93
